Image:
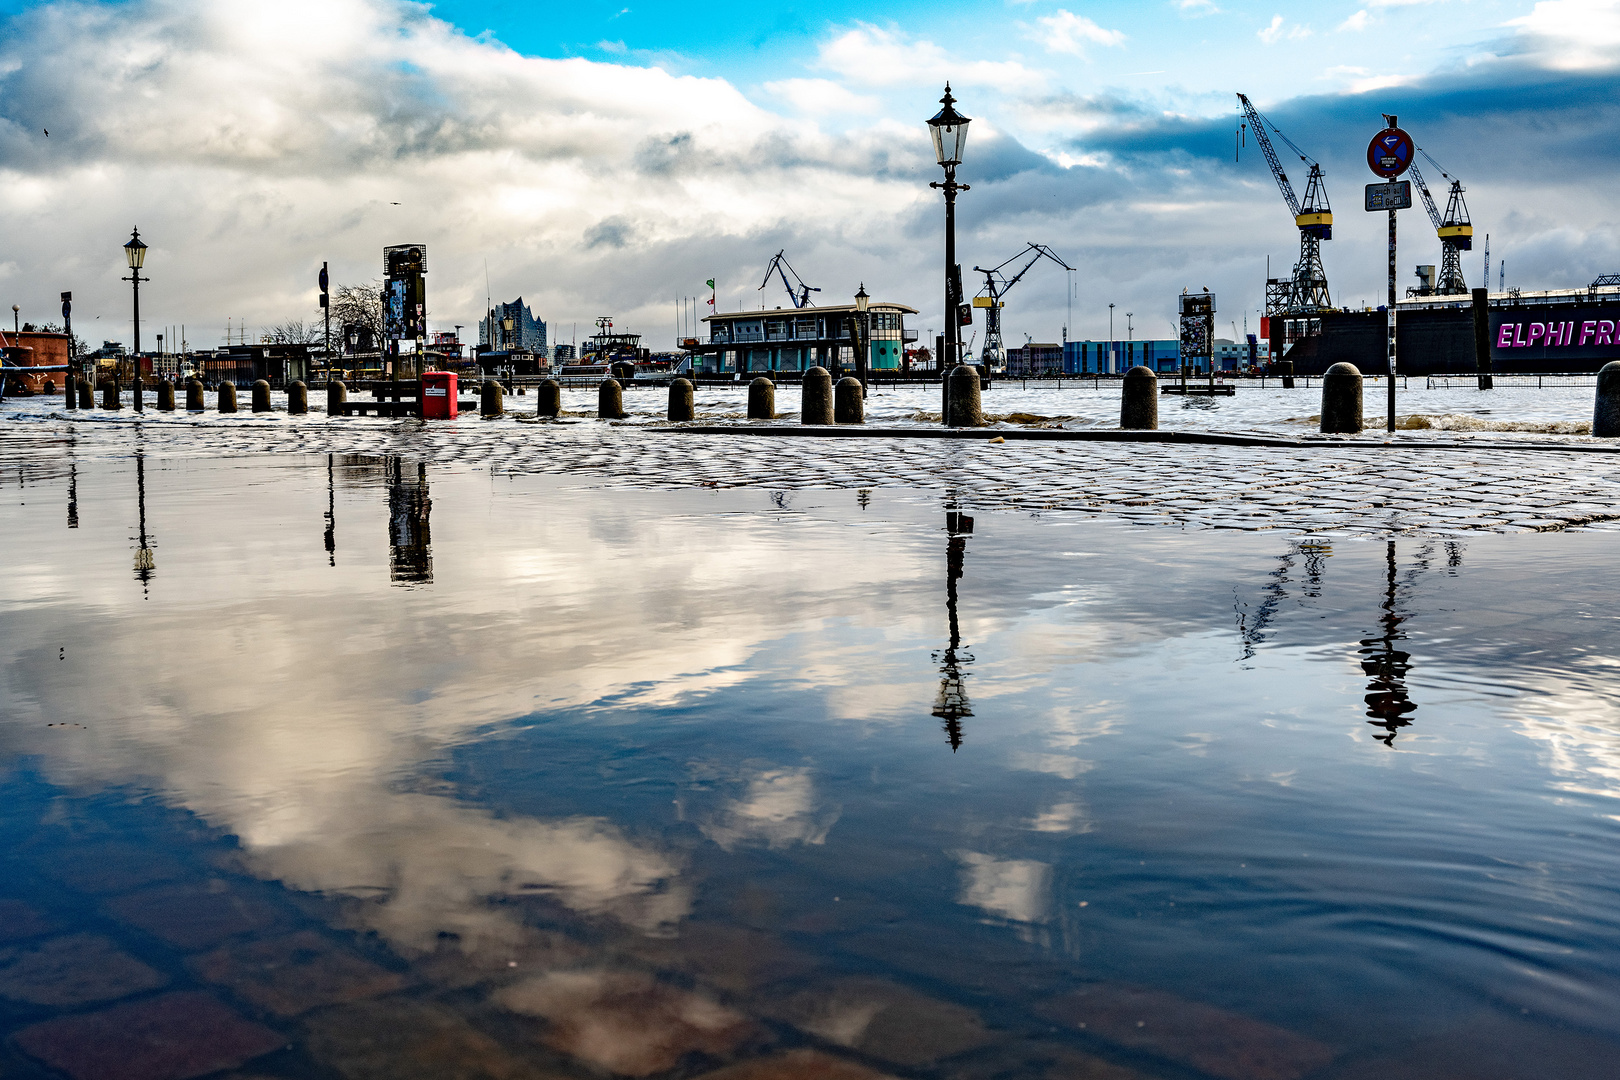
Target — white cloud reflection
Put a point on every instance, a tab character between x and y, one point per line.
1015	889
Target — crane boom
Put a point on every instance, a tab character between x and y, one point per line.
1306	292
1428	200
996	285
779	264
1260	136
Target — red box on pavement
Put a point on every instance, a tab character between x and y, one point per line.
438	395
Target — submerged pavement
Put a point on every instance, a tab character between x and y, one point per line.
1424	482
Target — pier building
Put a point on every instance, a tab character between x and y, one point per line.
796	339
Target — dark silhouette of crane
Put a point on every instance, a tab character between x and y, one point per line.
1306	292
1454	228
996	285
800	294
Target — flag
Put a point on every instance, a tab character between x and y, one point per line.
710	283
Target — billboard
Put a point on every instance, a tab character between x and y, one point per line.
405	292
1555	337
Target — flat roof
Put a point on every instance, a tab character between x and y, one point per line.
874	305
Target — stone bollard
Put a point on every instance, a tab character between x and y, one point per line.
548	398
50	386
109	396
87	396
491	399
1285	368
297	398
762	399
609	400
1606	412
680	400
849	402
816	397
194	396
165	396
225	397
337	396
1341	400
1139	400
965	410
261	395
70	393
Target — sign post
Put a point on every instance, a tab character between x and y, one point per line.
1388	155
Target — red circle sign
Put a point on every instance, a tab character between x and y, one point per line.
1390	153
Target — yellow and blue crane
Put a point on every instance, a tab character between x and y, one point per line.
1454	228
1306	292
996	285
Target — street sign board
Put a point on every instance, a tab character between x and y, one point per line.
1390	153
1396	195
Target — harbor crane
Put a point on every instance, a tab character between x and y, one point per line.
779	265
996	285
1454	228
1306	292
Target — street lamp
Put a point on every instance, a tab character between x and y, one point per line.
1130	337
135	252
864	343
16	324
948	129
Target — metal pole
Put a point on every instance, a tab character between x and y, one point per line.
1391	321
135	282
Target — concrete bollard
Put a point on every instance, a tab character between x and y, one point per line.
70	393
965	410
165	396
225	397
762	399
1606	411
548	398
849	401
816	397
680	400
1139	400
1341	400
491	399
609	400
194	396
297	398
109	396
261	395
337	396
50	385
1285	368
87	396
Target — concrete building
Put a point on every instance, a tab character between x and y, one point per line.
528	334
1118	357
795	339
1035	359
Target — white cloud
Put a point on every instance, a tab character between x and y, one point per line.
1066	32
1279	28
1198	7
1573	35
779	809
1359	21
872	56
821	97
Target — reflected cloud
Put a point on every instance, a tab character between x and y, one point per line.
1064	817
1015	889
778	810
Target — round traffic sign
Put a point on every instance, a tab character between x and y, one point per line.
1390	153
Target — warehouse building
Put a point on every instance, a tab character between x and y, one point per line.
796	339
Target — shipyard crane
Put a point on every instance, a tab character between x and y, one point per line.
1455	230
780	265
996	285
1306	292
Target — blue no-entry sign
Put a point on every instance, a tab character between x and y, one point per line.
1390	153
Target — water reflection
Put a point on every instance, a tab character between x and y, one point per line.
145	567
410	557
1388	703
1252	632
73	495
951	703
331	511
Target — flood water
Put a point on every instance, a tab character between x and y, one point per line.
371	767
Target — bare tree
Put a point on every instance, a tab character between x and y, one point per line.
357	305
291	332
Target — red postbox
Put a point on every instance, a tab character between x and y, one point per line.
438	395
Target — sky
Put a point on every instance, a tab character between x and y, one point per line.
604	159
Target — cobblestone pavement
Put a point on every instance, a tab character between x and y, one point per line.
1371	490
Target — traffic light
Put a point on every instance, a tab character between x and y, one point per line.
325	298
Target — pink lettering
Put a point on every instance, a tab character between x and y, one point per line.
1588	328
1518	336
1568	333
1537	330
1555	334
1504	336
1605	335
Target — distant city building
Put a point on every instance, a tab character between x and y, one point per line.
563	352
1118	357
527	333
1035	358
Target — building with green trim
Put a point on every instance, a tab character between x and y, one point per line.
796	339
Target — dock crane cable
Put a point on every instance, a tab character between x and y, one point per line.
996	285
1306	292
779	264
1454	228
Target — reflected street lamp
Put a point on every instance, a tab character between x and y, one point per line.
135	252
863	345
948	129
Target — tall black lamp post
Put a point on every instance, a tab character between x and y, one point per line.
135	252
949	131
863	342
